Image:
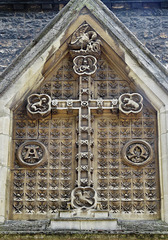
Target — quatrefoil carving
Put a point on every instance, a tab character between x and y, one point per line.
39	105
83	197
130	103
85	65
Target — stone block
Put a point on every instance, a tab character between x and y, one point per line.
84	224
101	214
4	147
4	125
2	219
83	214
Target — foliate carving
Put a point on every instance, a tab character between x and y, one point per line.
137	152
100	105
39	105
19	175
85	65
83	197
137	184
84	40
84	182
150	184
130	103
85	91
151	207
31	154
69	103
138	207
18	185
84	104
30	207
114	102
18	207
55	102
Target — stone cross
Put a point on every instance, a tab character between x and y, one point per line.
85	48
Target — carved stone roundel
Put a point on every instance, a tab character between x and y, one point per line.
83	197
31	154
137	152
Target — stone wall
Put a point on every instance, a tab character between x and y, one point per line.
150	26
127	230
19	27
17	30
85	236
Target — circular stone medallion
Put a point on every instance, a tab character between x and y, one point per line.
31	154
137	152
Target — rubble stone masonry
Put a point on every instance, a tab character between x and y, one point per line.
19	25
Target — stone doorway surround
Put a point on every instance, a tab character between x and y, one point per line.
27	72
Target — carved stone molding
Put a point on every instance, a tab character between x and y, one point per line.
85	65
130	103
83	197
39	105
31	154
137	152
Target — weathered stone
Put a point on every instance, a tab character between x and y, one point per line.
125	230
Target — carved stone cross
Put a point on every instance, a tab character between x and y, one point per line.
85	48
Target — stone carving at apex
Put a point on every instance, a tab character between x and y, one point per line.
84	40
